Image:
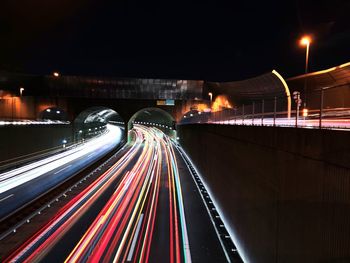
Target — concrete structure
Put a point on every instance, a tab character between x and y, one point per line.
27	96
19	141
285	192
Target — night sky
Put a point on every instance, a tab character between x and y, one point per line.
210	40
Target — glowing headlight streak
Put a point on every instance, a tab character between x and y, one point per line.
186	246
118	234
117	213
70	212
29	172
175	188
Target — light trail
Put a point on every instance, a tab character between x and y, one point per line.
123	230
39	244
285	122
24	174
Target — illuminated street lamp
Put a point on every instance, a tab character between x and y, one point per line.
56	74
211	96
64	141
306	41
21	91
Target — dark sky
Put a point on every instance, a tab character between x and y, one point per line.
211	40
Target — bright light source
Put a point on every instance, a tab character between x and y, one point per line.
21	91
48	110
58	112
56	74
191	114
305	112
64	141
306	40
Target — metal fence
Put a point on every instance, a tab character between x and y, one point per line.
326	107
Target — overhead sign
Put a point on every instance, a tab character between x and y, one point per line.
165	102
170	102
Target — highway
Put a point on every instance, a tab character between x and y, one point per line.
333	124
142	209
20	186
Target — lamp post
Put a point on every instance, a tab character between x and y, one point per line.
306	41
211	97
21	91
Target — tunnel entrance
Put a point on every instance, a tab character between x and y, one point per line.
154	117
53	113
94	120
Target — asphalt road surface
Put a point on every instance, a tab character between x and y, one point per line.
145	208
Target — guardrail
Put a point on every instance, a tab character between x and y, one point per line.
13	229
24	159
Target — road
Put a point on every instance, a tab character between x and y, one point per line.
21	185
141	209
334	124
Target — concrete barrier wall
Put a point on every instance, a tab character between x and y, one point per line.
18	140
284	191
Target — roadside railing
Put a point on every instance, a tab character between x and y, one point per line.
327	107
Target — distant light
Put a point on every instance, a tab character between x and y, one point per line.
89	129
305	112
199	112
21	91
191	114
58	112
64	141
80	131
56	74
48	110
185	116
305	40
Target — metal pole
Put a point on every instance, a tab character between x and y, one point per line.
235	111
306	71
297	116
243	114
307	58
321	109
274	111
12	107
253	112
262	112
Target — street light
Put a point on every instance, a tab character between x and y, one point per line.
211	96
64	141
306	41
56	74
21	91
